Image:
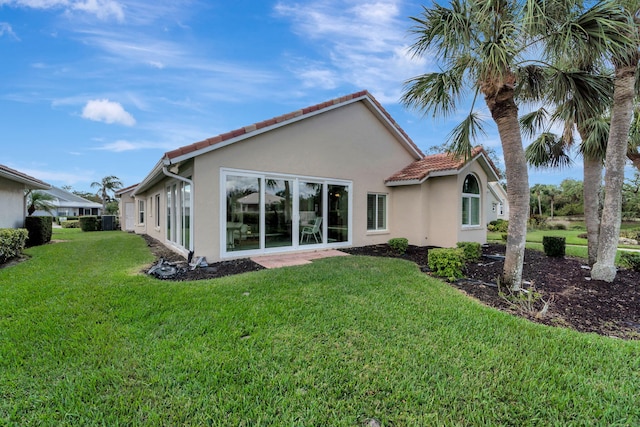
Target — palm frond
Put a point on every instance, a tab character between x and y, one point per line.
531	123
437	93
462	137
547	151
595	134
588	94
532	82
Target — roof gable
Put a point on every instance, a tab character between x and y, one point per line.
29	181
438	165
219	141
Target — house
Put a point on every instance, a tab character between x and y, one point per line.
126	207
341	173
66	204
14	186
497	205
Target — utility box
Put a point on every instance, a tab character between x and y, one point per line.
108	222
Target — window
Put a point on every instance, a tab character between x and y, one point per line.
140	211
264	212
179	214
470	201
376	212
157	210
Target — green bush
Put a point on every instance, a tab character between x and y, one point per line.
631	260
554	246
70	224
39	228
12	243
558	226
504	237
399	244
446	262
499	226
90	223
472	250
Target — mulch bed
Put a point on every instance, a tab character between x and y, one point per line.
575	301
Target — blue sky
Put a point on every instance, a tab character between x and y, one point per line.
90	88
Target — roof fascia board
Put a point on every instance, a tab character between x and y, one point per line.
260	131
149	179
22	180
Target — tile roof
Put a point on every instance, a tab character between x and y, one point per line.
314	109
21	177
421	169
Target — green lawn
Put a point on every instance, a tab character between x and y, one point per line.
86	340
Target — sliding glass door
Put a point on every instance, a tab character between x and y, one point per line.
267	213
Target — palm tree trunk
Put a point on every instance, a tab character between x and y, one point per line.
591	191
622	113
505	113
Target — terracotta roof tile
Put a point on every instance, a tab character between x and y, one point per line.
187	149
420	169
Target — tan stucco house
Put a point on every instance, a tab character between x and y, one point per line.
14	186
341	173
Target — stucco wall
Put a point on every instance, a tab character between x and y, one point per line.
12	204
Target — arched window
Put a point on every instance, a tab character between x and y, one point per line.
470	201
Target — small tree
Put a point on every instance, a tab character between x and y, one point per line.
106	187
39	201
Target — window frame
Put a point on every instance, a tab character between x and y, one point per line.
376	211
469	198
141	212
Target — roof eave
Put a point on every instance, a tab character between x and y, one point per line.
31	184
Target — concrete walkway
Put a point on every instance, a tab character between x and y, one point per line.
297	258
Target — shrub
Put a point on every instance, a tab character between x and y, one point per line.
70	224
554	246
39	228
90	223
446	262
559	226
472	250
504	237
399	244
499	226
631	260
12	243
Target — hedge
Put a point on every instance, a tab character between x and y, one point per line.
12	243
39	228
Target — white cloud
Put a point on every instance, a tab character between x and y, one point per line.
122	145
103	9
366	41
5	29
103	110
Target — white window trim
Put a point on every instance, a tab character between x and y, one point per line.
296	247
472	196
141	211
386	214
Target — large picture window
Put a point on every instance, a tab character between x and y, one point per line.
263	213
376	212
470	201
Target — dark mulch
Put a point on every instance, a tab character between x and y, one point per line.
214	270
575	301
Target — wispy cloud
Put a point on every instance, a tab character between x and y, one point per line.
366	41
102	9
103	110
121	145
7	30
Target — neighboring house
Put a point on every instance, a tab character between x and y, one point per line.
14	186
66	204
341	173
497	205
126	208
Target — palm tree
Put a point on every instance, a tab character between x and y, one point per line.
482	46
109	184
39	201
626	70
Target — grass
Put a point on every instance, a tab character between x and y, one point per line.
86	340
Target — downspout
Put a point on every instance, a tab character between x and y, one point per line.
165	171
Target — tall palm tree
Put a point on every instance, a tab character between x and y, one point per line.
626	70
108	184
482	47
39	201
